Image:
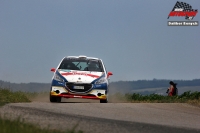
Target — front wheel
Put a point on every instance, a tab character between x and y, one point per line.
104	101
55	99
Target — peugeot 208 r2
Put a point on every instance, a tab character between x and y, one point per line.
80	77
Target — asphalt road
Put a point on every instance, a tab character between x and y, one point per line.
109	117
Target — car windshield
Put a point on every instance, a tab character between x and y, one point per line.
81	64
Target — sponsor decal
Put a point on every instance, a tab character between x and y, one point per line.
77	73
97	85
60	83
182	9
77	96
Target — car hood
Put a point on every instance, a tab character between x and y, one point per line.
80	76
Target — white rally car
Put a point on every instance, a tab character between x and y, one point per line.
80	77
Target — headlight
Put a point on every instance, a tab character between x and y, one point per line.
58	78
101	81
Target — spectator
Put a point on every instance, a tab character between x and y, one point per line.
172	90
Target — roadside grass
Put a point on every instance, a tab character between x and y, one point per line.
18	126
186	97
8	96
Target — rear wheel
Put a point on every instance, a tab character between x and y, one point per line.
55	99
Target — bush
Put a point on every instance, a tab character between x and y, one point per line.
186	96
8	96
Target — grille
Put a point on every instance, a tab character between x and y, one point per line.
87	87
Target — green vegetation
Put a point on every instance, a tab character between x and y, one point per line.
18	126
8	96
186	97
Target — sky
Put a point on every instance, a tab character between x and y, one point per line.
130	36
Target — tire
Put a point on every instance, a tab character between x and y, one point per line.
55	99
104	101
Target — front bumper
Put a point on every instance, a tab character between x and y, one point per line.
59	91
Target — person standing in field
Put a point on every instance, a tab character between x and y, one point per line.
172	90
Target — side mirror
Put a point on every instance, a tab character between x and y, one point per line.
53	69
109	74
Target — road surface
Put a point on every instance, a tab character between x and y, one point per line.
93	117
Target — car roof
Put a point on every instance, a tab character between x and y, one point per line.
82	56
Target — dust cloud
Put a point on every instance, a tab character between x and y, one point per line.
117	95
40	97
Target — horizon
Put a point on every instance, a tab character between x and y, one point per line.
110	82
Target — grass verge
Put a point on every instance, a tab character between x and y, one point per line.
8	96
186	97
18	126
